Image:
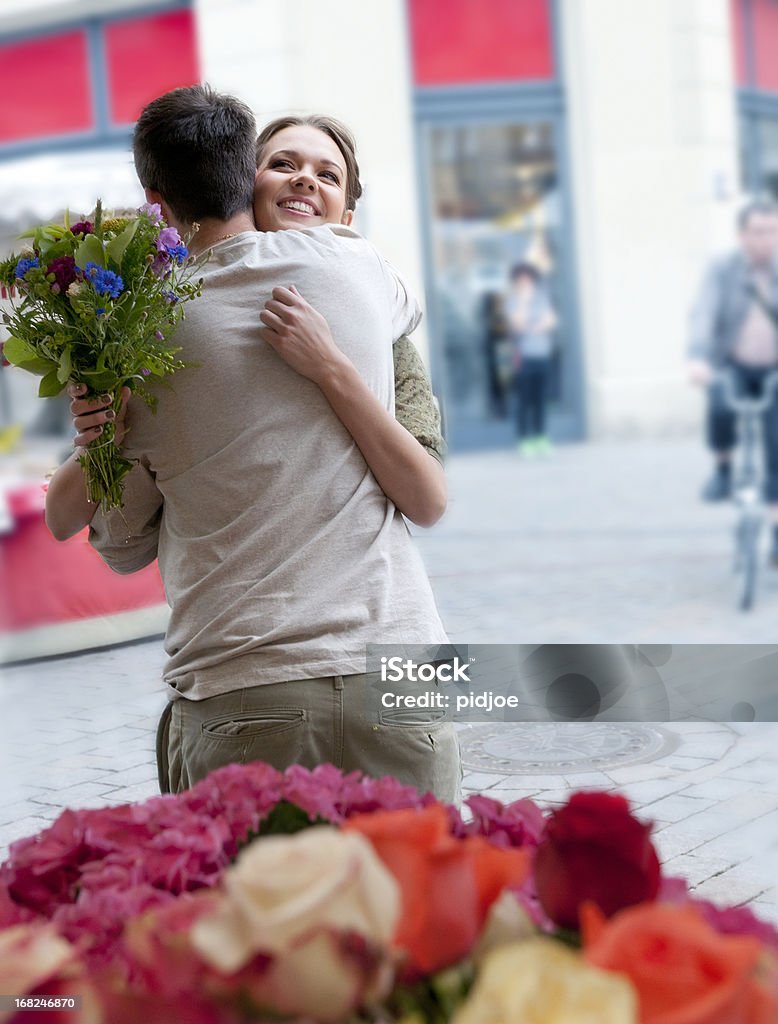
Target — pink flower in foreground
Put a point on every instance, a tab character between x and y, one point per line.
726	920
520	823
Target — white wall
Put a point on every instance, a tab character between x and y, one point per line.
653	133
345	58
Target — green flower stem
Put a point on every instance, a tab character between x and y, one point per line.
104	465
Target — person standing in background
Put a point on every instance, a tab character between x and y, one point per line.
531	321
731	329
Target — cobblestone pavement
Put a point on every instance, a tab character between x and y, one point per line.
598	544
601	543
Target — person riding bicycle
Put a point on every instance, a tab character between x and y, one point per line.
731	329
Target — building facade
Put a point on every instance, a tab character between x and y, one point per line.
608	142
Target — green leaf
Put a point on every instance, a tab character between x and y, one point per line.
50	386
37	365
287	818
116	247
17	351
99	382
90	251
65	366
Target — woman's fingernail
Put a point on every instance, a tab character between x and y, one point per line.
98	430
105	398
110	415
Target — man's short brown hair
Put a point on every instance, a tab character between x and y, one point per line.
196	148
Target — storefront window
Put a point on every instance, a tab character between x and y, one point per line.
767	128
494	202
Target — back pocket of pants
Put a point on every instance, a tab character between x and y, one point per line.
409	717
245	724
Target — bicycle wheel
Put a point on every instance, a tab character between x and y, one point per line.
747	560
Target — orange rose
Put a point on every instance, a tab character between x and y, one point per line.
683	970
447	884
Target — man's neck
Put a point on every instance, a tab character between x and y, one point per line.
212	231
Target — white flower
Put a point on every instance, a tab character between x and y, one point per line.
507	922
541	980
30	954
325	908
74	289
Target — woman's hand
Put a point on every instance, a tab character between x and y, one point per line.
91	414
407	475
300	335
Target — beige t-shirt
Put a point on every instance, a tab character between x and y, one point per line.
281	556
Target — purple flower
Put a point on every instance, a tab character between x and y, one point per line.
145	370
64	270
168	238
82	227
170	243
160	266
153	211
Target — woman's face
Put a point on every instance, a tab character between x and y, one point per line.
301	181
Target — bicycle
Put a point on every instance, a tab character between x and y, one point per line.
748	478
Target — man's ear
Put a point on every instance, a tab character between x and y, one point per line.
347	218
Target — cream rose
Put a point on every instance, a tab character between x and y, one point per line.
541	980
507	922
29	955
322	905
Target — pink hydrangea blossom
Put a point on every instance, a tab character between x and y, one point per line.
516	824
726	920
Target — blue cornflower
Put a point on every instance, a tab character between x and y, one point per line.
178	253
104	282
100	311
26	264
170	297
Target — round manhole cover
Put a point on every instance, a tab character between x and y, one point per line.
561	748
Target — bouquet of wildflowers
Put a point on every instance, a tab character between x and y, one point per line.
97	302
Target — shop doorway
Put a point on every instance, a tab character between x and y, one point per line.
495	196
759	150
